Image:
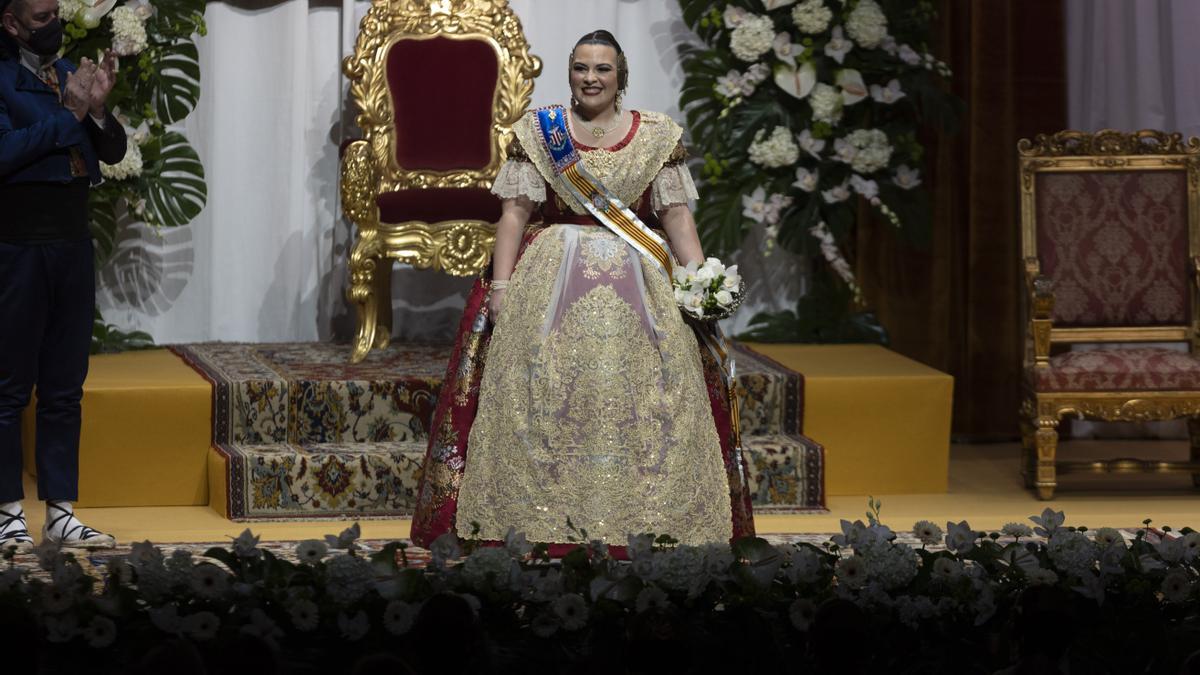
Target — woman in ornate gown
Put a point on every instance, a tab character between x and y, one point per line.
598	401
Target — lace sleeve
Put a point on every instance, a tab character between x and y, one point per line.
672	186
519	179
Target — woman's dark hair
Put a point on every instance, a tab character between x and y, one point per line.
603	37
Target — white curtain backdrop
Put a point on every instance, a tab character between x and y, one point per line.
265	261
1130	66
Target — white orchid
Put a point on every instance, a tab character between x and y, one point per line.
776	4
93	12
837	193
907	179
960	537
806	180
838	46
345	540
785	49
888	94
797	81
810	144
908	55
851	83
246	545
869	189
734	16
754	206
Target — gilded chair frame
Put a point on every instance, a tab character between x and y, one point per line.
1041	412
370	167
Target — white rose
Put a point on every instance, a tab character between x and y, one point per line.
724	298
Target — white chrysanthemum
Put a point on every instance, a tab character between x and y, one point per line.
209	581
812	16
651	597
311	551
826	102
802	612
867	24
753	37
101	632
778	149
865	150
852	572
305	615
1107	536
68	9
1016	530
201	626
129	33
1071	552
130	165
929	533
572	609
1176	586
892	566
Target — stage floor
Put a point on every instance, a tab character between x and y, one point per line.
985	489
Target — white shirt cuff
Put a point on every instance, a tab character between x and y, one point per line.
98	120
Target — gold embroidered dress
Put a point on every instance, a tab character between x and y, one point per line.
593	404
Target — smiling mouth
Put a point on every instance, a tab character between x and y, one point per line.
592	91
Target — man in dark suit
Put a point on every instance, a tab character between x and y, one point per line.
54	130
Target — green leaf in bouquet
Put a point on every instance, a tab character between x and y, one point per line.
175	80
173	180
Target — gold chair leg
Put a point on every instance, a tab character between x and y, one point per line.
1028	451
383	303
361	295
1047	446
1193	424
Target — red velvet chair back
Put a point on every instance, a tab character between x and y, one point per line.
443	94
1114	245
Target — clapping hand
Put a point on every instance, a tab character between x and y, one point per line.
102	84
77	95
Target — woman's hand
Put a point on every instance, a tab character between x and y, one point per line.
496	303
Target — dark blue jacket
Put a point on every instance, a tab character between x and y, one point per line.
36	130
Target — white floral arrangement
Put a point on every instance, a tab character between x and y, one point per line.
816	102
708	291
937	585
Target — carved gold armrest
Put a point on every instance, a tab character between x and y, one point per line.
1041	306
359	185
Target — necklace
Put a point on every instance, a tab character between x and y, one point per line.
597	131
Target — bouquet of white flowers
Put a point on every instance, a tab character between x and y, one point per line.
709	290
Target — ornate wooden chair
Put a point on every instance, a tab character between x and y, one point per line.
1110	234
439	84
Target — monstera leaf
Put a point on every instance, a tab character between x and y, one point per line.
172	180
175	82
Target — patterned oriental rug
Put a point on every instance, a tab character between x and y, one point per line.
304	434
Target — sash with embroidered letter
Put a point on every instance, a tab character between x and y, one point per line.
610	211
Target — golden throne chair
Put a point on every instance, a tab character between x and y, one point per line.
1110	235
439	84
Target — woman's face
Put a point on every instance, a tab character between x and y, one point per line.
594	76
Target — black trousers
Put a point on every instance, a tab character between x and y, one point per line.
47	304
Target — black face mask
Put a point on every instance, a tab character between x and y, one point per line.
47	40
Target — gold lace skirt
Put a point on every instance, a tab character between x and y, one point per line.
593	404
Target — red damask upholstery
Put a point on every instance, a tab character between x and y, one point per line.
1115	247
434	205
442	94
1132	369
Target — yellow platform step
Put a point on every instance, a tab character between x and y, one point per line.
884	419
146	432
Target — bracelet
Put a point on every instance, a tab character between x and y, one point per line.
499	284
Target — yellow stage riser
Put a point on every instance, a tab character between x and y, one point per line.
147	429
884	419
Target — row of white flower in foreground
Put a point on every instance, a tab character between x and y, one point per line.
335	588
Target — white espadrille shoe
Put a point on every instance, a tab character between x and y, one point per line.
64	529
13	529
